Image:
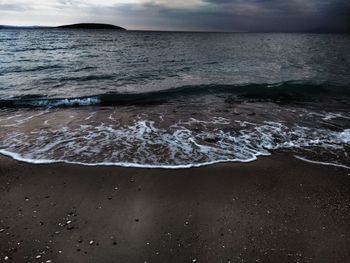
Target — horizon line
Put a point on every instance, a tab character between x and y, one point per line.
313	31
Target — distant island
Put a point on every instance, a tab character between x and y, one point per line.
91	26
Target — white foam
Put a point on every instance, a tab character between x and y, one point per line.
67	102
322	163
20	158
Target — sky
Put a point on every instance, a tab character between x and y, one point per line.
185	15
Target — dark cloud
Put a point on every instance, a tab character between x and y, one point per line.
249	15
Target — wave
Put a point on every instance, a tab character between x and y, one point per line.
34	69
283	92
178	146
20	158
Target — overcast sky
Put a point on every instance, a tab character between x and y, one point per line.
198	15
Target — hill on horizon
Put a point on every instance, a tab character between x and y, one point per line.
91	26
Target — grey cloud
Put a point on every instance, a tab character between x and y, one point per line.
13	7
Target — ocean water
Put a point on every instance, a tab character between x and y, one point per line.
173	100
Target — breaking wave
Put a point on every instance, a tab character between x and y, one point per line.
179	146
290	91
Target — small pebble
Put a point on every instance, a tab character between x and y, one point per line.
48	261
6	258
38	257
194	260
91	242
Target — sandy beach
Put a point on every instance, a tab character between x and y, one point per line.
277	209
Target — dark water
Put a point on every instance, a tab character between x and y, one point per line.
153	99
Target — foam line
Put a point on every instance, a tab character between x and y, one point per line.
321	163
18	157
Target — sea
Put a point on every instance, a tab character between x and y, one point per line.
173	99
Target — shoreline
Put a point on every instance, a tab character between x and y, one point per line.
17	157
275	209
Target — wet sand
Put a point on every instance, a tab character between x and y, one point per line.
277	209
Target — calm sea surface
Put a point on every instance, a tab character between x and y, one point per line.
158	99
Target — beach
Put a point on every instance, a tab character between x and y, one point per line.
196	131
276	209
